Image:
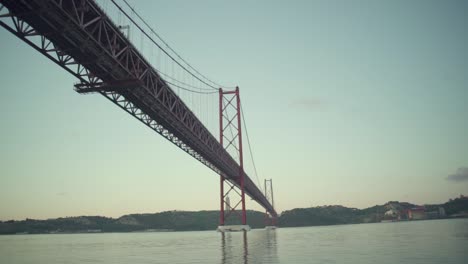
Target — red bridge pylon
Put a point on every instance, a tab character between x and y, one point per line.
230	137
270	221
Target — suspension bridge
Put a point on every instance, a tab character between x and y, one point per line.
114	52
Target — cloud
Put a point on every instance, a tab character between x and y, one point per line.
61	193
310	104
460	175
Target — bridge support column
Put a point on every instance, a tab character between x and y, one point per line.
221	215
270	220
230	129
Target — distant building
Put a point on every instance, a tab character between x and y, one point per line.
391	212
417	213
432	215
442	212
403	215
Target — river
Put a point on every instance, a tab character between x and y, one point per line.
435	241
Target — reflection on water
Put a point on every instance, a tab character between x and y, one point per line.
258	246
418	242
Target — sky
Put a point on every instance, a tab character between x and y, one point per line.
347	102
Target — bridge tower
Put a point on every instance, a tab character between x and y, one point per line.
270	220
230	130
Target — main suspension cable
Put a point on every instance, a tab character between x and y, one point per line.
155	43
169	47
250	148
189	90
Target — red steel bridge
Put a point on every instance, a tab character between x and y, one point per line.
80	37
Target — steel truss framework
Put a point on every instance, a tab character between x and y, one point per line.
78	36
229	101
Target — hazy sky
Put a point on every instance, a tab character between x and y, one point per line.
347	102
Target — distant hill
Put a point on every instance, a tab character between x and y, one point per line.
208	220
164	221
457	206
322	215
337	214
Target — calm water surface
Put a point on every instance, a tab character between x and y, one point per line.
437	241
